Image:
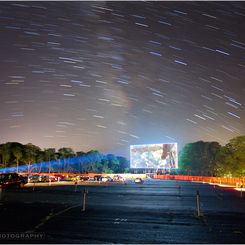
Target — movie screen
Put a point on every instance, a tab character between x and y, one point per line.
157	156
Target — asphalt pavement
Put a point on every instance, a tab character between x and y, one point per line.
157	211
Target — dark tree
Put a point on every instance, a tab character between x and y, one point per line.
199	158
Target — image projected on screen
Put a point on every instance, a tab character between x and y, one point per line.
157	156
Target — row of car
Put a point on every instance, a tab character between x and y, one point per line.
41	178
46	178
98	178
116	178
17	180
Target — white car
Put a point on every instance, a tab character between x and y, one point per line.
106	179
138	181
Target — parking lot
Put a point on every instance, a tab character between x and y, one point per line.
157	211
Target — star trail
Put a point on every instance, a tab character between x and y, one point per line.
105	75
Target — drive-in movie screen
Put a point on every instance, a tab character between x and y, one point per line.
154	156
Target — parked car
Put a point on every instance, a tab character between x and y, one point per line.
70	178
84	178
52	178
44	178
118	178
138	181
97	177
8	180
59	177
35	178
106	179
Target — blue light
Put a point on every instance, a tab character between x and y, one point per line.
58	165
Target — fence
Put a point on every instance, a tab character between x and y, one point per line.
215	180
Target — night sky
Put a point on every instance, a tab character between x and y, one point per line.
105	75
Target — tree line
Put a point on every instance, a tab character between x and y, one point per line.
198	158
212	159
31	158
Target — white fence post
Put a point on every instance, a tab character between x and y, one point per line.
198	204
85	191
